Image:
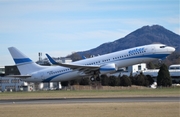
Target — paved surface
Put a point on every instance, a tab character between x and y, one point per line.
91	100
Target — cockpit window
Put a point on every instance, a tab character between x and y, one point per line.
162	46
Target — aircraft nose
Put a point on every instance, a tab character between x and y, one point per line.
171	49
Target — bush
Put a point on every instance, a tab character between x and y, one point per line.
104	80
84	81
125	81
113	81
141	80
150	79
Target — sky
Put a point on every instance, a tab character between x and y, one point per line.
60	27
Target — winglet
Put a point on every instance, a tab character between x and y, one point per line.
51	60
83	57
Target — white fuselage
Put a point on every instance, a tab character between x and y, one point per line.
120	59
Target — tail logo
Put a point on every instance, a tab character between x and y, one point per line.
23	60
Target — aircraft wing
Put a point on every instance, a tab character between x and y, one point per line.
19	76
83	68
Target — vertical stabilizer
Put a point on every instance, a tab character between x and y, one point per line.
25	65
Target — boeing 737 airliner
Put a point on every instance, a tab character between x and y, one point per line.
108	63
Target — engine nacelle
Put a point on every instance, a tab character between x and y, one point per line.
108	68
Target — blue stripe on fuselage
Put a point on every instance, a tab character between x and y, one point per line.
52	77
148	56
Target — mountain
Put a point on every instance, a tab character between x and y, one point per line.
143	36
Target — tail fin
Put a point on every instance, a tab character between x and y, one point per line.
25	65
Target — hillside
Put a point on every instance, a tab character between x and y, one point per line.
142	36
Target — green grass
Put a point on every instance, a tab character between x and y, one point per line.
173	91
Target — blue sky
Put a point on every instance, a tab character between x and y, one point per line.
60	27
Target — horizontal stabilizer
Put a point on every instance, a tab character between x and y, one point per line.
19	76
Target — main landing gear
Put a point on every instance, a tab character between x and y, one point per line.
97	78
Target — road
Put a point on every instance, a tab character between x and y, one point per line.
90	100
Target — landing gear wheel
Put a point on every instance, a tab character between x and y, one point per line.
92	79
95	79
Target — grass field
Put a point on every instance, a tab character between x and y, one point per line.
170	109
93	93
127	109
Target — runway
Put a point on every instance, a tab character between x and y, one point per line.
90	100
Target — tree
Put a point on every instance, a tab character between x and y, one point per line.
150	79
104	80
74	82
113	81
84	81
164	78
125	81
146	81
64	83
132	78
139	79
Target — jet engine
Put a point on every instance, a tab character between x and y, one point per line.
108	68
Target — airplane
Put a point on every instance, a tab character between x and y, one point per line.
92	67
